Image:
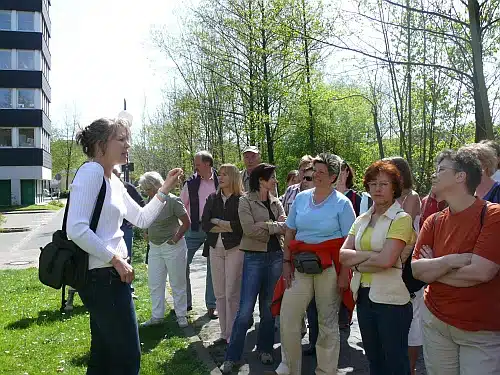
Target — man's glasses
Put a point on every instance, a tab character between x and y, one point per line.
307	178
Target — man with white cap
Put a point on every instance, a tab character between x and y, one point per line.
251	158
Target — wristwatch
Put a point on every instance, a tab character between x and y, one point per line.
162	195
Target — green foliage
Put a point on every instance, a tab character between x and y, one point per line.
60	155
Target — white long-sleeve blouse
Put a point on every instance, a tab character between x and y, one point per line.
107	241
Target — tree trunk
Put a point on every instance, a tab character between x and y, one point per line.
484	124
312	146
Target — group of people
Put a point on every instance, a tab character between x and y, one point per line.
327	246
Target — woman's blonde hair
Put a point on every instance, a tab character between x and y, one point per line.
234	178
486	155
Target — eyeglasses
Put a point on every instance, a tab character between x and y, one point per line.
382	184
442	169
307	178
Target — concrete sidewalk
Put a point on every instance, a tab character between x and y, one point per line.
21	250
352	359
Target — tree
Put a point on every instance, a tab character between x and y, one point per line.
66	156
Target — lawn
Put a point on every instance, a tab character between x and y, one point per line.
38	339
51	206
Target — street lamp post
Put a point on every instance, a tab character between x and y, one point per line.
128	167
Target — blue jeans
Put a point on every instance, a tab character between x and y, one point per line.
384	331
261	271
194	239
114	347
128	237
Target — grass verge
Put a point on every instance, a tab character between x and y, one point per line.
38	339
50	206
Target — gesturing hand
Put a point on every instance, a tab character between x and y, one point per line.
171	180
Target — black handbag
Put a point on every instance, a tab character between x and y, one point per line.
61	261
307	262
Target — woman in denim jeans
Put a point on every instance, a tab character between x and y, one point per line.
263	221
379	242
114	348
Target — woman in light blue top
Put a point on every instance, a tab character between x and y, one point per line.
317	223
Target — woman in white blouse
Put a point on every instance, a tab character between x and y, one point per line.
115	347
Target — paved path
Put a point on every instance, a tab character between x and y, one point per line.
351	361
24	247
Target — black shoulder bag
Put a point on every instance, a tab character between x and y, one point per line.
61	261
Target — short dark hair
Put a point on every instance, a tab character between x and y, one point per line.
387	167
291	174
331	161
404	170
350	174
464	160
206	157
264	171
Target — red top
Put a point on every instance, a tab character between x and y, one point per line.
328	252
476	308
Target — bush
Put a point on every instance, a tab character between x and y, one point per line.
64	194
56	203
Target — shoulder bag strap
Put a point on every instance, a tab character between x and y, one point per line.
97	210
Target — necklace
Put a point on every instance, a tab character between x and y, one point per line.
313	200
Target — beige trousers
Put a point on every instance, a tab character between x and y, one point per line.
227	270
293	306
452	351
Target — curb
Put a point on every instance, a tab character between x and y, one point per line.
15	230
28	212
201	352
197	344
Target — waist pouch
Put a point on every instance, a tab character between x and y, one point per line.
306	262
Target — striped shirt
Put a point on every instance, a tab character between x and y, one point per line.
289	196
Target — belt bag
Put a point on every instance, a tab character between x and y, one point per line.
308	263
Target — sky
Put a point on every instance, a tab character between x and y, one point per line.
102	53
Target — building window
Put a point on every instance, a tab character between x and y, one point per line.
45	104
45	67
5	98
5	20
25	98
26	60
5	59
26	137
5	137
25	21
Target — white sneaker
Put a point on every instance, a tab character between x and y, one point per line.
182	322
152	322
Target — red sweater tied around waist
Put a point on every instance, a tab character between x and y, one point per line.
328	253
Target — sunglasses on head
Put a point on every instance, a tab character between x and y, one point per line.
307	178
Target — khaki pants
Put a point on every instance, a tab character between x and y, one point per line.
227	269
452	351
294	304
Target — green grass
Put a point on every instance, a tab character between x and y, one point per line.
50	206
38	339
